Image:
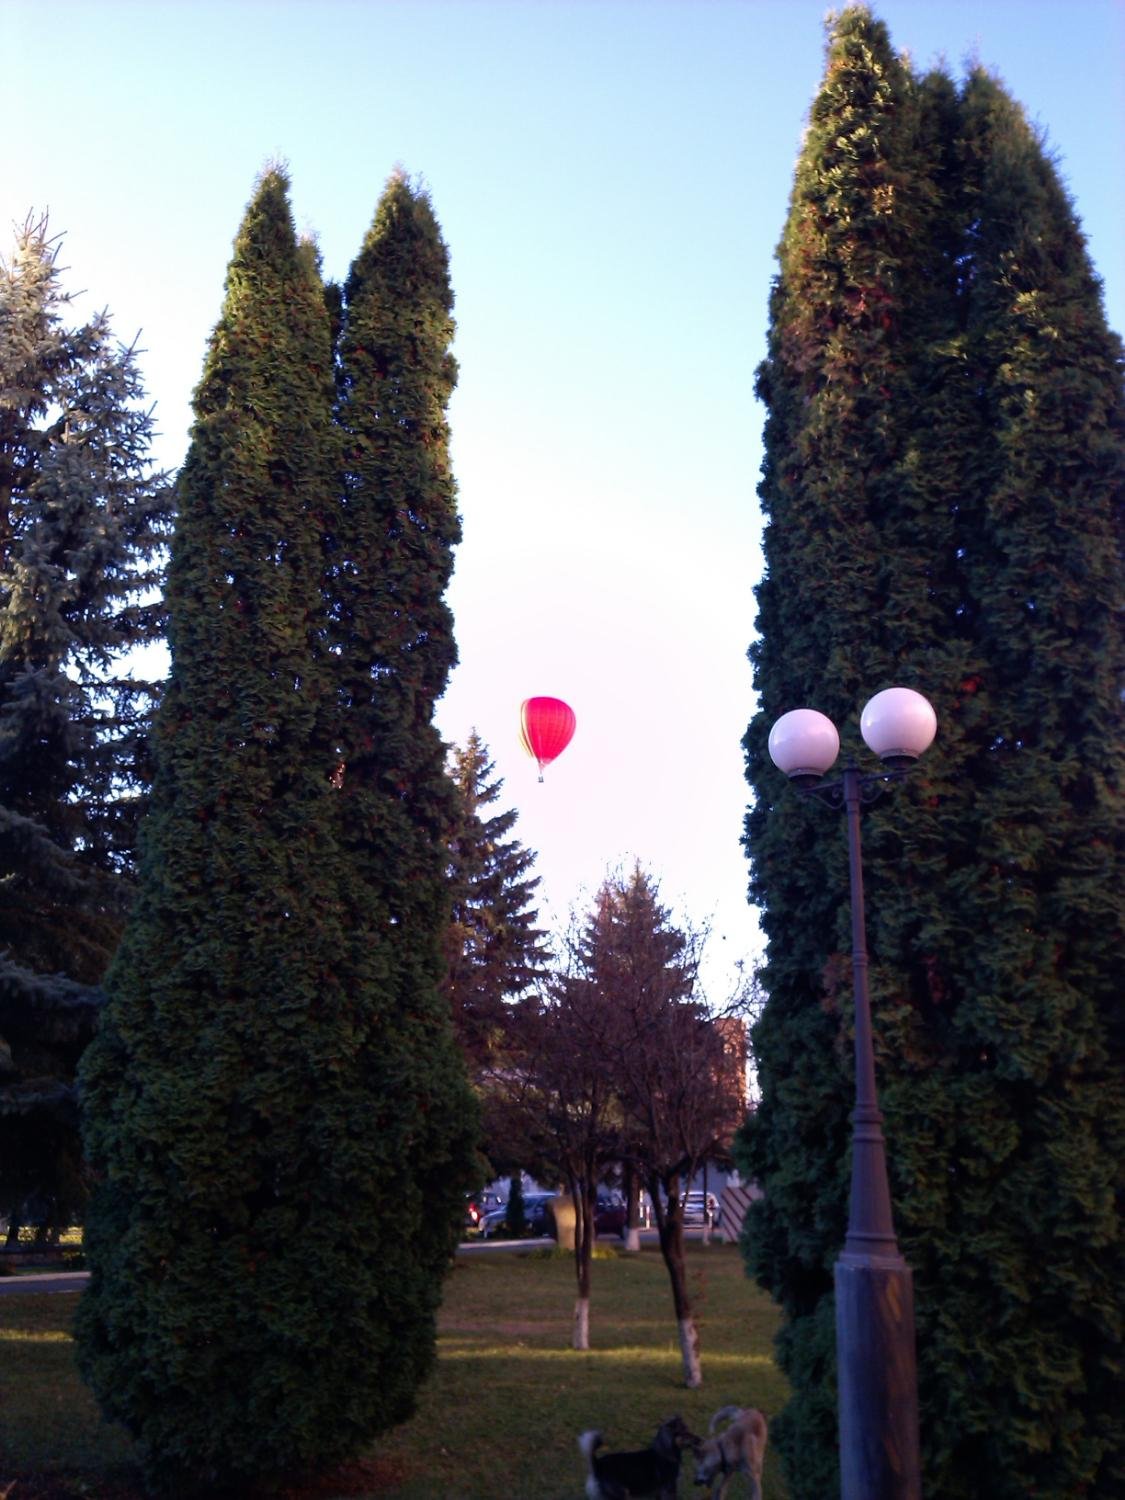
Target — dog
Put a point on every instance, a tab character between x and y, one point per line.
738	1449
644	1471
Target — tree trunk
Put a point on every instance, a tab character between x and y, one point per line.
632	1208
584	1205
580	1339
670	1223
689	1353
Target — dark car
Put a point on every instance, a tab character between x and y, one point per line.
539	1218
610	1215
539	1213
476	1206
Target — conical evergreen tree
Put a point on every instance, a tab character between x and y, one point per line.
495	951
837	392
392	640
228	1322
1032	1120
941	483
82	524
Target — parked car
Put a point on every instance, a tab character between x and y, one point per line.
538	1217
701	1208
610	1214
476	1206
493	1222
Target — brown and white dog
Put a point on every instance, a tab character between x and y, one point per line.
654	1470
738	1449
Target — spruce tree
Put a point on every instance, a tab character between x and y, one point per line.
495	952
391	636
232	1320
83	519
942	491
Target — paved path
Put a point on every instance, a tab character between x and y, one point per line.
74	1281
44	1281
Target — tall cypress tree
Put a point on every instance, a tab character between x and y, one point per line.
391	635
83	520
941	485
228	1321
837	392
1037	1107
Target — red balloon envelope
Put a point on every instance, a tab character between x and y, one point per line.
546	728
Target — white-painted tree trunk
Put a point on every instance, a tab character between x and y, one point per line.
689	1350
633	1238
581	1338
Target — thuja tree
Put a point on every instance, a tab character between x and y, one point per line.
391	637
837	393
495	951
941	485
232	1318
83	519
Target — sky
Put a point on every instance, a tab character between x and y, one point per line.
612	180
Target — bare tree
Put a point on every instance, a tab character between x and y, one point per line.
676	1068
619	1061
555	1094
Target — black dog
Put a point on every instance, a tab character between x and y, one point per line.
645	1471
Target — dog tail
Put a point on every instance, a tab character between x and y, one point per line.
590	1442
724	1414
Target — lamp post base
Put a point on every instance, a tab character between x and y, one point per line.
878	1401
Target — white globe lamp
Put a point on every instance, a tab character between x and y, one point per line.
898	724
804	744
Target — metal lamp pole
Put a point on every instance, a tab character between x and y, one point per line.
878	1383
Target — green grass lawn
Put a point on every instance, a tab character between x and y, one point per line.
501	1414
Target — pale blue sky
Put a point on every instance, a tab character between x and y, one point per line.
611	180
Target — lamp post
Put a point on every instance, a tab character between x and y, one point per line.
878	1382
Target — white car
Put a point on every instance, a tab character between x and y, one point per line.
701	1208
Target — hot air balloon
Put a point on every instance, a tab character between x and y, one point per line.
546	728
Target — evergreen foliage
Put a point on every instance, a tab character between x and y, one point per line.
275	1060
495	952
942	491
82	524
392	638
517	1214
